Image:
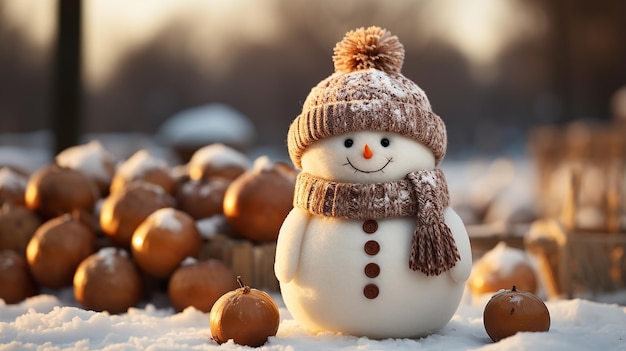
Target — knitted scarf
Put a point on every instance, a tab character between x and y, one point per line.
423	194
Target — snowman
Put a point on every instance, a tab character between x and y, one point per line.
371	247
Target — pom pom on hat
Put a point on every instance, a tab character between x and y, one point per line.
373	47
367	92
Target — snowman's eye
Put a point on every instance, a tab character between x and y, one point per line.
348	143
384	142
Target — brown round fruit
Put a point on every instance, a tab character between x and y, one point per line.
123	211
57	248
17	226
93	160
54	190
107	281
200	284
16	282
512	311
163	240
247	316
217	161
258	201
202	199
501	268
144	167
12	187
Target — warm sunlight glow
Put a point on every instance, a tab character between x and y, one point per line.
208	32
35	19
479	29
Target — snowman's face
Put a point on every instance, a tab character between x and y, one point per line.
366	157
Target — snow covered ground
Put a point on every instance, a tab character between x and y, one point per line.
53	322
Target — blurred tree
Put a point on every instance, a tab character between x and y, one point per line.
26	30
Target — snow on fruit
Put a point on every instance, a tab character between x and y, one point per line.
16	282
108	280
12	186
500	268
17	226
93	160
163	240
57	248
145	167
124	210
54	190
217	161
257	201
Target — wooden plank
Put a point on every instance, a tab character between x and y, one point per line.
253	262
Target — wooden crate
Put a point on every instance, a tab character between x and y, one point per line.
581	175
253	262
577	264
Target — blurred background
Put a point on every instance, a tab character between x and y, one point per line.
492	69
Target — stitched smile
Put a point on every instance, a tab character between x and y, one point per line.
362	171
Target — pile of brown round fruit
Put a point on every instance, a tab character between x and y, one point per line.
116	231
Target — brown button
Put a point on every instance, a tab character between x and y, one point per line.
372	270
370	226
370	291
371	247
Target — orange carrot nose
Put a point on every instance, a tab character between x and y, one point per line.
367	152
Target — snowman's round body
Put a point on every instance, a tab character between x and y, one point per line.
353	276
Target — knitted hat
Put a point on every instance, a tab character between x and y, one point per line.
367	92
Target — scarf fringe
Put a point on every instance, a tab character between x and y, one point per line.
433	250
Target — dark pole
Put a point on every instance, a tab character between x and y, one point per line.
67	75
560	16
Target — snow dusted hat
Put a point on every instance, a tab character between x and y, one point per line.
367	92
